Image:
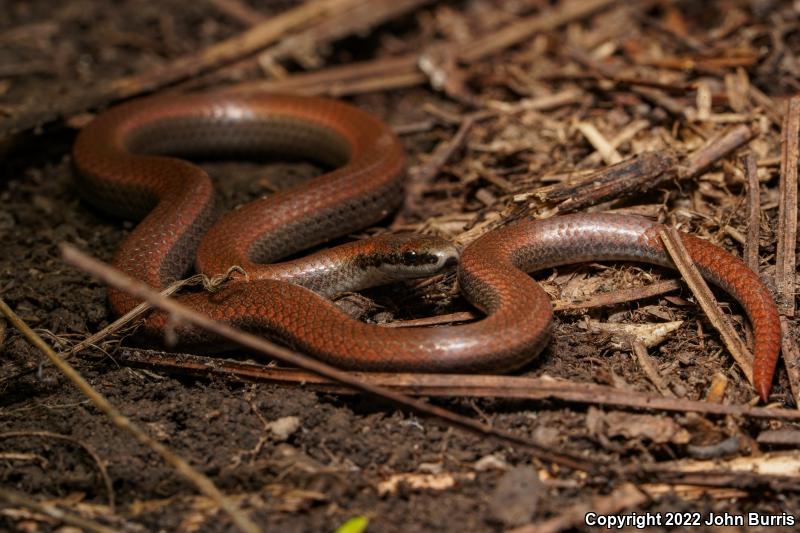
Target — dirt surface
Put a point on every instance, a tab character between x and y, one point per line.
300	460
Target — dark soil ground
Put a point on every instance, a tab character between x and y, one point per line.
334	461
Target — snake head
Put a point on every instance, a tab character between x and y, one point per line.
408	256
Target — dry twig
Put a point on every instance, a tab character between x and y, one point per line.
605	148
422	176
753	212
680	256
637	175
787	212
715	149
620	296
127	318
447	385
343	80
649	367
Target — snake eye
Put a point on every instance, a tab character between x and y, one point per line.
410	257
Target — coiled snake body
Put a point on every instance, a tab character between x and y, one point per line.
127	165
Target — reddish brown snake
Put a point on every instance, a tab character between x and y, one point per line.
123	168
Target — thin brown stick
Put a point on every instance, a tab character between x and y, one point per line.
620	296
541	103
17	498
422	176
771	109
126	319
441	155
390	82
341	80
202	482
88	449
605	75
411	128
753	212
462	316
628	132
648	366
787	208
677	251
119	280
603	147
715	149
445	385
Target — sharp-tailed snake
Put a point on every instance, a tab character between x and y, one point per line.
127	164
